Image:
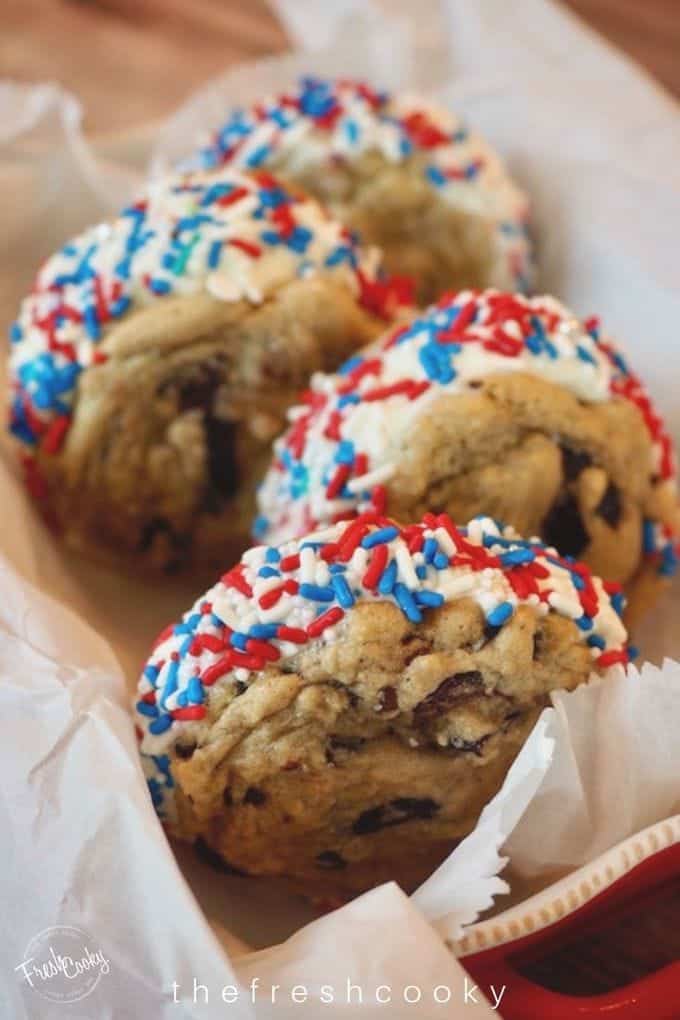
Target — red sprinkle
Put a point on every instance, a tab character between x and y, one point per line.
293	634
189	714
326	619
375	568
54	437
611	658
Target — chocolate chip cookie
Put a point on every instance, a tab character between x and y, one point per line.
339	709
155	357
409	176
489	403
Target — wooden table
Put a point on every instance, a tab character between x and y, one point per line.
134	60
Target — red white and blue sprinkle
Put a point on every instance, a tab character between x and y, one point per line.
345	440
233	235
320	123
247	620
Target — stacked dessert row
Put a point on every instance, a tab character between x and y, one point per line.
320	331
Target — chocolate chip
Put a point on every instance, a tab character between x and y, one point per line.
175	544
563	527
331	861
574	462
197	388
196	391
184	751
469	746
151	530
222	462
609	507
444	697
396	812
489	632
255	796
387	699
215	860
344	743
538	640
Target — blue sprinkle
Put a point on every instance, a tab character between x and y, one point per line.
156	794
435	176
388	579
160	725
238	640
342	591
429	362
669	561
407	603
595	641
151	673
430	549
317	593
348	398
170	681
144	708
258	156
182	699
21	431
91	323
421	571
264	631
15	332
345	453
267	571
429	598
515	557
214	254
260	526
584	622
163	765
379	536
585	355
351	129
120	306
440	561
648	541
159	286
195	692
186	645
618	602
498	616
350	365
272	555
633	652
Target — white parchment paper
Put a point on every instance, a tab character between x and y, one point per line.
598	147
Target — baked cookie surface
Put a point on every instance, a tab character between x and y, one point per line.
406	174
154	359
488	403
338	710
